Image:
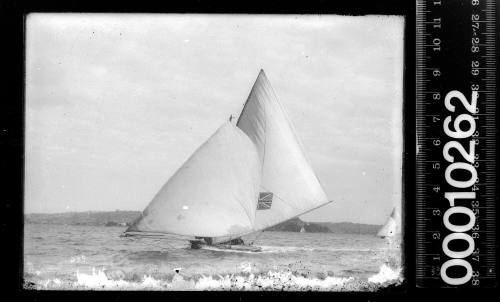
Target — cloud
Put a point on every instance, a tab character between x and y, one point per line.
130	97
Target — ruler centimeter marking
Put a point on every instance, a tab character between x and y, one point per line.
455	120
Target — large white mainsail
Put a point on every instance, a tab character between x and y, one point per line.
289	186
214	193
392	226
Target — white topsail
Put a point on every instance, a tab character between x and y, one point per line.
392	226
214	193
286	173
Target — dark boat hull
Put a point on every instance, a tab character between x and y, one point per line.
200	244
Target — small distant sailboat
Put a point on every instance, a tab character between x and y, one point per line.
302	230
243	179
392	226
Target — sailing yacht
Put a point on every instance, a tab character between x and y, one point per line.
392	226
245	178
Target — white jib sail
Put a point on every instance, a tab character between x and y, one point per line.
286	173
214	193
392	226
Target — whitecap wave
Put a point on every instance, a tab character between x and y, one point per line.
247	279
98	280
386	275
272	280
80	259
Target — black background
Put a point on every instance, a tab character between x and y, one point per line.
12	161
454	63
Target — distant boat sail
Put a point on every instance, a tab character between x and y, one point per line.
391	227
243	179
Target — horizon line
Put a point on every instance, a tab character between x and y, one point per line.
120	210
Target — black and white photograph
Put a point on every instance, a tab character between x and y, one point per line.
213	152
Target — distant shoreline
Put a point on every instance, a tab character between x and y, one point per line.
124	218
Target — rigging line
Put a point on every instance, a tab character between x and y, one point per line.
247	212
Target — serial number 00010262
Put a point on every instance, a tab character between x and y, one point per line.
455	133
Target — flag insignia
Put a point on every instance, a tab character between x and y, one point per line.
265	200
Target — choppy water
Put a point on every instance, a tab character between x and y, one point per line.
89	257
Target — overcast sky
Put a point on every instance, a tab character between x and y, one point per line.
116	103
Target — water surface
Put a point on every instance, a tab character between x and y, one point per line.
95	257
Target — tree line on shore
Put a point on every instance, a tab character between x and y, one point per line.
124	218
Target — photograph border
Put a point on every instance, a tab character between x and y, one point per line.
13	21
